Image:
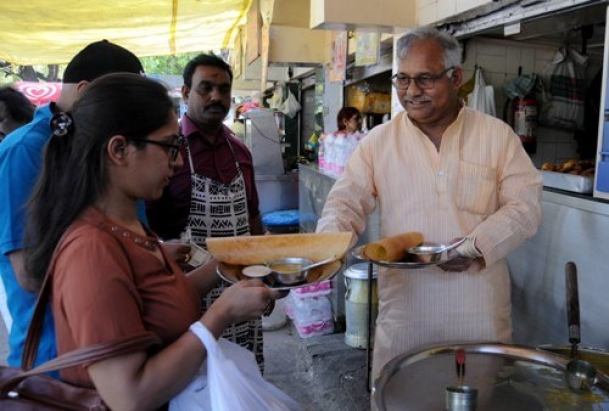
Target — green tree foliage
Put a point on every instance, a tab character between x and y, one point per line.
175	64
167	64
10	73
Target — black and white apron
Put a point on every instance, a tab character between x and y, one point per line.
220	210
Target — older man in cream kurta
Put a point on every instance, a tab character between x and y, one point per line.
447	171
480	184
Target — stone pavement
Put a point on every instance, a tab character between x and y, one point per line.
320	373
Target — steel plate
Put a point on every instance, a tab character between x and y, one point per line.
358	252
233	273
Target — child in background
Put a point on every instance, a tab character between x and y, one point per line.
337	147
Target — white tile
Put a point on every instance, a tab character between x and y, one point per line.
492	63
465	5
428	14
512	60
491	49
446	8
527	60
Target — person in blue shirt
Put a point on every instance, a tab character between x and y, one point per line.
15	110
20	164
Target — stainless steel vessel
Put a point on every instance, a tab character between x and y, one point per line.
507	377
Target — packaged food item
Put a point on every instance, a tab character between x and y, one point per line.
311	316
313	290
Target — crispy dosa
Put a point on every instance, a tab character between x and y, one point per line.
249	250
392	249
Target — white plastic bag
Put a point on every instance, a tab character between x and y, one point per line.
232	382
482	98
195	396
290	106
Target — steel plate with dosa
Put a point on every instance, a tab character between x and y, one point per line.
358	253
233	273
507	377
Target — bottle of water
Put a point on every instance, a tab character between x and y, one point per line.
329	155
321	152
352	140
340	153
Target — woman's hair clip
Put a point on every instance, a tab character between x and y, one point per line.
62	124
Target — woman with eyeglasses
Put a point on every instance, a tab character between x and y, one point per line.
110	278
449	172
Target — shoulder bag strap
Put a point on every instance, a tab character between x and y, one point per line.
84	355
32	340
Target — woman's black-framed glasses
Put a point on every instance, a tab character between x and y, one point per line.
174	149
423	81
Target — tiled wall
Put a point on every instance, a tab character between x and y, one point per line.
500	61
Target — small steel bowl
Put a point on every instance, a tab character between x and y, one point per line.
461	398
289	271
427	252
259	272
580	375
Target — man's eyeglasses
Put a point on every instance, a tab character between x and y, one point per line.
423	81
174	149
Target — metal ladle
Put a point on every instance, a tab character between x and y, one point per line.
579	374
320	262
306	267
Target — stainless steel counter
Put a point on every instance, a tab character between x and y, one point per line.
573	228
277	192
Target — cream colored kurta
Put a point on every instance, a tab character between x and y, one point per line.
481	183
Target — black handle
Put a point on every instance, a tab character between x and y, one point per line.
572	302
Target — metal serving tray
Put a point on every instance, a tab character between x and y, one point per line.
568	182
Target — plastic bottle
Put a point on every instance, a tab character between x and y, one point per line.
340	153
329	164
321	152
352	141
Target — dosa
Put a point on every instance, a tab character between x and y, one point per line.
250	250
394	248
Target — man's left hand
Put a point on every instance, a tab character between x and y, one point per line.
458	264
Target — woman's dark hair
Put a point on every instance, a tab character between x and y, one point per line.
346	113
74	173
204	60
19	108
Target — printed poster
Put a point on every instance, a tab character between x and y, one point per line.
338	62
368	49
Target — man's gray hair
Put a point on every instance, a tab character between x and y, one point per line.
452	48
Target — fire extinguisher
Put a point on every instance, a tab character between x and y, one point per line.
524	121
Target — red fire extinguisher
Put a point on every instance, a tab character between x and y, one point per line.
525	114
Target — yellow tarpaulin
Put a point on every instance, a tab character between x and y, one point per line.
46	31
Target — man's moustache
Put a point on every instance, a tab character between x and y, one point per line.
221	106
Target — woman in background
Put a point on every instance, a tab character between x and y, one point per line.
349	120
335	148
110	277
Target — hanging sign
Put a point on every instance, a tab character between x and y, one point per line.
338	61
367	52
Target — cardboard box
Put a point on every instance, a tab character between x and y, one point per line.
379	103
